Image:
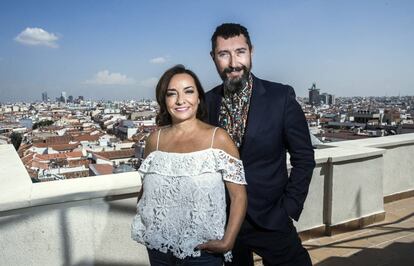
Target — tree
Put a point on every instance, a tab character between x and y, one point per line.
43	123
16	140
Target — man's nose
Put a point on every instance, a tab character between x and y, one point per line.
233	61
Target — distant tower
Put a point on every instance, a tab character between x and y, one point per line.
327	98
44	96
314	98
63	97
324	97
331	100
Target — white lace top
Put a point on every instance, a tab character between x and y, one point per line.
184	204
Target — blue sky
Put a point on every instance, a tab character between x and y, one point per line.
118	49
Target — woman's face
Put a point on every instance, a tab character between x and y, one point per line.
181	98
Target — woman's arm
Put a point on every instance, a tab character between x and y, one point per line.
150	145
238	202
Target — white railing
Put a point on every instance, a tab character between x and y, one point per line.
86	221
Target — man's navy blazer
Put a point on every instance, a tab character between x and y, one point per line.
275	124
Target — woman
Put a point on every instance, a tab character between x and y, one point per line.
188	163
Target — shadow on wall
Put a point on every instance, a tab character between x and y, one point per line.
401	254
114	208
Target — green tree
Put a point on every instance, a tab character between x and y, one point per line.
16	140
43	123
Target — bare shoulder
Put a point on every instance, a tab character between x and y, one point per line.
151	143
223	141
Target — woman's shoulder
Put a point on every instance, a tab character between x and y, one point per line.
151	142
223	141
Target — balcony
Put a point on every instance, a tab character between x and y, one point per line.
86	221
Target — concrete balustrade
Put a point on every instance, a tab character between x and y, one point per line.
398	166
86	221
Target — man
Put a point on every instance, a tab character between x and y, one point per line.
264	120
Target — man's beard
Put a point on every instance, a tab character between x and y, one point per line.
235	84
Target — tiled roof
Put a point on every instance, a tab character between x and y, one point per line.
86	137
45	157
101	169
120	154
64	147
57	147
53	140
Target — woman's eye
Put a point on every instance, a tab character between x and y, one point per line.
170	94
189	91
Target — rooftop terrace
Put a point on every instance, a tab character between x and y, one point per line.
86	221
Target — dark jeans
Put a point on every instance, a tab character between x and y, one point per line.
158	258
275	248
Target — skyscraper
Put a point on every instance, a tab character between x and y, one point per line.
314	98
331	99
44	96
63	97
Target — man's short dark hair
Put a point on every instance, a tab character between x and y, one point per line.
229	30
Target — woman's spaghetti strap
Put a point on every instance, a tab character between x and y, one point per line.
158	138
212	139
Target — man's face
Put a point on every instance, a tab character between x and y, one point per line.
232	58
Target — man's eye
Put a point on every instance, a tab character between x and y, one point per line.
223	54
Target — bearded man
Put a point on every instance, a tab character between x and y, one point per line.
265	121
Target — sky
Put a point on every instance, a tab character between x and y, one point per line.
117	50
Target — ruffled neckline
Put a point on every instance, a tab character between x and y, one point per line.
186	164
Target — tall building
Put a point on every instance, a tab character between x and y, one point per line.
63	97
314	98
324	97
327	98
44	96
331	99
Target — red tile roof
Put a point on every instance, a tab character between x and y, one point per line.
120	154
101	169
87	137
57	147
46	157
64	147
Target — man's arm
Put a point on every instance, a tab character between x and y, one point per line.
299	146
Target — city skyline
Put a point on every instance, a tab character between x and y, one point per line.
118	49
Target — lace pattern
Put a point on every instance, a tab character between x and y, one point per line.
194	163
183	204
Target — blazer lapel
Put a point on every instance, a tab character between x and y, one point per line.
257	112
215	111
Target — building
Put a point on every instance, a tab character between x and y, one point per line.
126	129
314	98
44	96
326	98
63	98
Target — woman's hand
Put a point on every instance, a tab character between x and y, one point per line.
215	246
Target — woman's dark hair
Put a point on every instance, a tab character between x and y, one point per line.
163	117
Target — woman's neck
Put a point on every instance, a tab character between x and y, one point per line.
185	126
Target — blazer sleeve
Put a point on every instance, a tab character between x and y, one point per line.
299	146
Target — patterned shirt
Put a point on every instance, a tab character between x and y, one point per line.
234	109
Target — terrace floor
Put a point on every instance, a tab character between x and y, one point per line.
387	243
390	242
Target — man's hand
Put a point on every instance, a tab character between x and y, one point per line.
215	246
